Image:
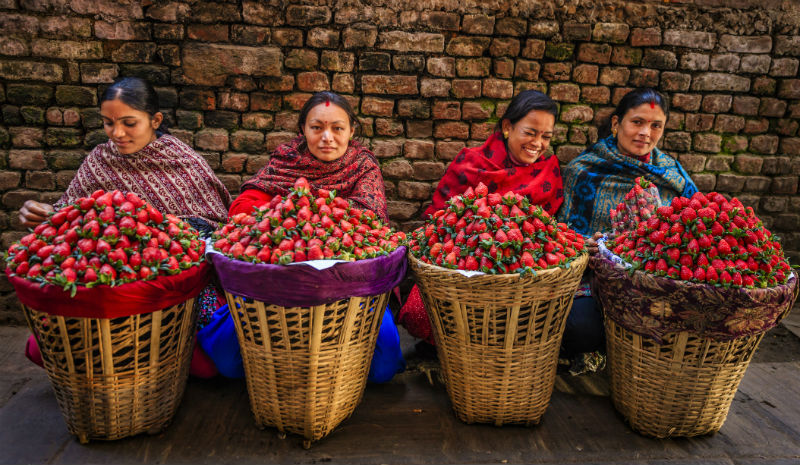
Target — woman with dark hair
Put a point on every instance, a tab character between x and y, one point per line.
598	179
142	157
325	153
514	158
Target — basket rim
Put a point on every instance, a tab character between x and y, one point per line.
582	258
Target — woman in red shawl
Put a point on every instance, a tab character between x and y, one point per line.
514	158
325	153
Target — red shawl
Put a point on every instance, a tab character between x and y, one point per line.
166	173
491	164
355	176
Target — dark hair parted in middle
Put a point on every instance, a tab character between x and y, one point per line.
633	99
525	102
138	94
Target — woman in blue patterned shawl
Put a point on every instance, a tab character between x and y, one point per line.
598	179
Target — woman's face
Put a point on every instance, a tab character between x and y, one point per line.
530	137
640	129
130	130
328	131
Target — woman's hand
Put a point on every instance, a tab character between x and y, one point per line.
591	243
33	213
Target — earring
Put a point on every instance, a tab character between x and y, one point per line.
614	132
505	134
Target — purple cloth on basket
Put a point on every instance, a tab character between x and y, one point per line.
279	284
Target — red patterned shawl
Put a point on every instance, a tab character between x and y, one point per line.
355	176
491	164
167	173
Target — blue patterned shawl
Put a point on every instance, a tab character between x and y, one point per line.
598	179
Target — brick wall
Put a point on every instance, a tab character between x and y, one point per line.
427	77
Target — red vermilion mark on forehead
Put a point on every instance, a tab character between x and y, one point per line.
652	104
327	103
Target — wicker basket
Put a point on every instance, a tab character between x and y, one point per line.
498	338
306	367
683	387
117	377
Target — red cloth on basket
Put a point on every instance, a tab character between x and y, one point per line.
113	302
414	318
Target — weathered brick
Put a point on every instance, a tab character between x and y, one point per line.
418	149
287	37
32	115
709	143
436	87
274	139
247	141
644	77
68	49
566	92
646	37
63	137
451	130
212	139
746	44
388	127
763	85
9	180
730	182
748	164
12	46
26	137
26	70
787	45
400	169
585	74
386	84
504	46
233	162
598	95
360	35
210	64
257	120
576	114
719	163
466	88
745	105
566	153
374	61
245	34
473	67
729	123
535	49
511	26
787	222
673	81
558	52
208	32
442	66
776	166
408	63
675	121
303	15
26	160
690	39
337	61
411	42
498	88
477	24
619	93
717	103
757	64
440	20
720	82
556	71
14	199
323	38
503	67
757	184
237	101
544	28
787	127
789	88
261	101
659	59
595	53
301	59
756	126
477	110
614	76
583	135
377	106
444	109
414	109
386	148
343	83
728	63
40	180
447	150
699	122
576	31
784	67
694	61
784	185
772	107
427	170
678	142
522	86
615	33
790	145
296	100
414	190
134	52
419	128
401	211
29	94
626	56
766	144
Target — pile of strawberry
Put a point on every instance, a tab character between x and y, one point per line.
705	239
639	205
304	227
495	234
109	238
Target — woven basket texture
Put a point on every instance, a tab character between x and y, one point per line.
681	388
115	378
498	337
306	367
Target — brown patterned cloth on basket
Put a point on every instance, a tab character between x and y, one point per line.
655	306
